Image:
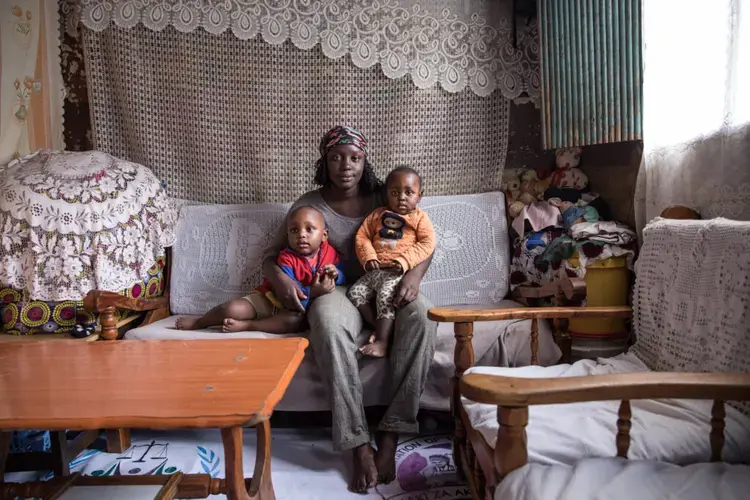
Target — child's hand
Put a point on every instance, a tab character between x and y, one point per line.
330	271
396	266
322	284
372	265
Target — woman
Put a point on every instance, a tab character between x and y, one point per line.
349	191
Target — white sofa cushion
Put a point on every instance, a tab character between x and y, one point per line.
219	249
504	343
621	479
670	430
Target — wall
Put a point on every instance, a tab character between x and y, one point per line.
612	168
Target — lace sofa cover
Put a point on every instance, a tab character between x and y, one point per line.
218	255
72	222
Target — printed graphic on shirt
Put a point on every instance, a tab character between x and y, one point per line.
392	230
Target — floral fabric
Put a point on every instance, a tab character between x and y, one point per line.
22	316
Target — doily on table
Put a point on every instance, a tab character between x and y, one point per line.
72	222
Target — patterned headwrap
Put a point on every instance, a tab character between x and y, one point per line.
342	135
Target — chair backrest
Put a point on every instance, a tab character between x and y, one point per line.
692	296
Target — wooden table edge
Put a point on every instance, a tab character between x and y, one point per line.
291	369
167	423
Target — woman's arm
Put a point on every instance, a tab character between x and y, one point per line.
409	287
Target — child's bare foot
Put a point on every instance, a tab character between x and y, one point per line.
236	325
376	349
183	323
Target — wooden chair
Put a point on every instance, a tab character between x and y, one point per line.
483	466
474	458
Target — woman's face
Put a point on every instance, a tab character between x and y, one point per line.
346	163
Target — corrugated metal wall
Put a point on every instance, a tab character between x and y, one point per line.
591	71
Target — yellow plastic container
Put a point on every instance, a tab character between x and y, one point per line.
607	284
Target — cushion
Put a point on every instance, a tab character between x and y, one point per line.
675	431
504	343
621	479
218	254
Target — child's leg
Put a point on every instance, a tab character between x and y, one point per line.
368	313
361	294
240	309
284	322
386	315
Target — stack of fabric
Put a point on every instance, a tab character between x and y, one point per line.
564	220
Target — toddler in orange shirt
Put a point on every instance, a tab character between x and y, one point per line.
390	241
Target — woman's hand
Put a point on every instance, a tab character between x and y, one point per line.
372	265
408	290
287	291
322	284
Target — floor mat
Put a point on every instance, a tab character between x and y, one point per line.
304	465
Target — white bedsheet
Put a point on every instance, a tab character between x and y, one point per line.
617	478
675	431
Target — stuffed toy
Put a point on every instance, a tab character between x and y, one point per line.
567	175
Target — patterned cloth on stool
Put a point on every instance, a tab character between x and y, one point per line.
71	222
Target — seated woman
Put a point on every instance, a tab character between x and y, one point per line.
349	192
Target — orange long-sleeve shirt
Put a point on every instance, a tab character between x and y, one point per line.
407	239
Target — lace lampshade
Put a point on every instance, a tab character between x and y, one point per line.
71	222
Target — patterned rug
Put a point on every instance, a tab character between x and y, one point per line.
303	465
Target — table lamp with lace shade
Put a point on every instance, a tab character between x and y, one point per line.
71	222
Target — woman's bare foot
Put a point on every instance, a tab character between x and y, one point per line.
385	458
236	325
365	475
183	323
375	349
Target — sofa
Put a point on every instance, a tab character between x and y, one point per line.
607	428
217	256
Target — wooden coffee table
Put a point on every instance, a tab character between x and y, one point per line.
167	384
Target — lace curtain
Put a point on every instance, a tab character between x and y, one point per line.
30	79
453	43
225	119
696	109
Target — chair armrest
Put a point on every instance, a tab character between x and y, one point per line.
105	303
453	315
98	301
509	391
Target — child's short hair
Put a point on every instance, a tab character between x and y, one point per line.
295	210
403	170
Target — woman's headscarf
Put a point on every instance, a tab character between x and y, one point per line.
342	135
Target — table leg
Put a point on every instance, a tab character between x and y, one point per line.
60	453
261	487
4	450
118	440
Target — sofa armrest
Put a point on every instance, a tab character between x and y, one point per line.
514	395
105	303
